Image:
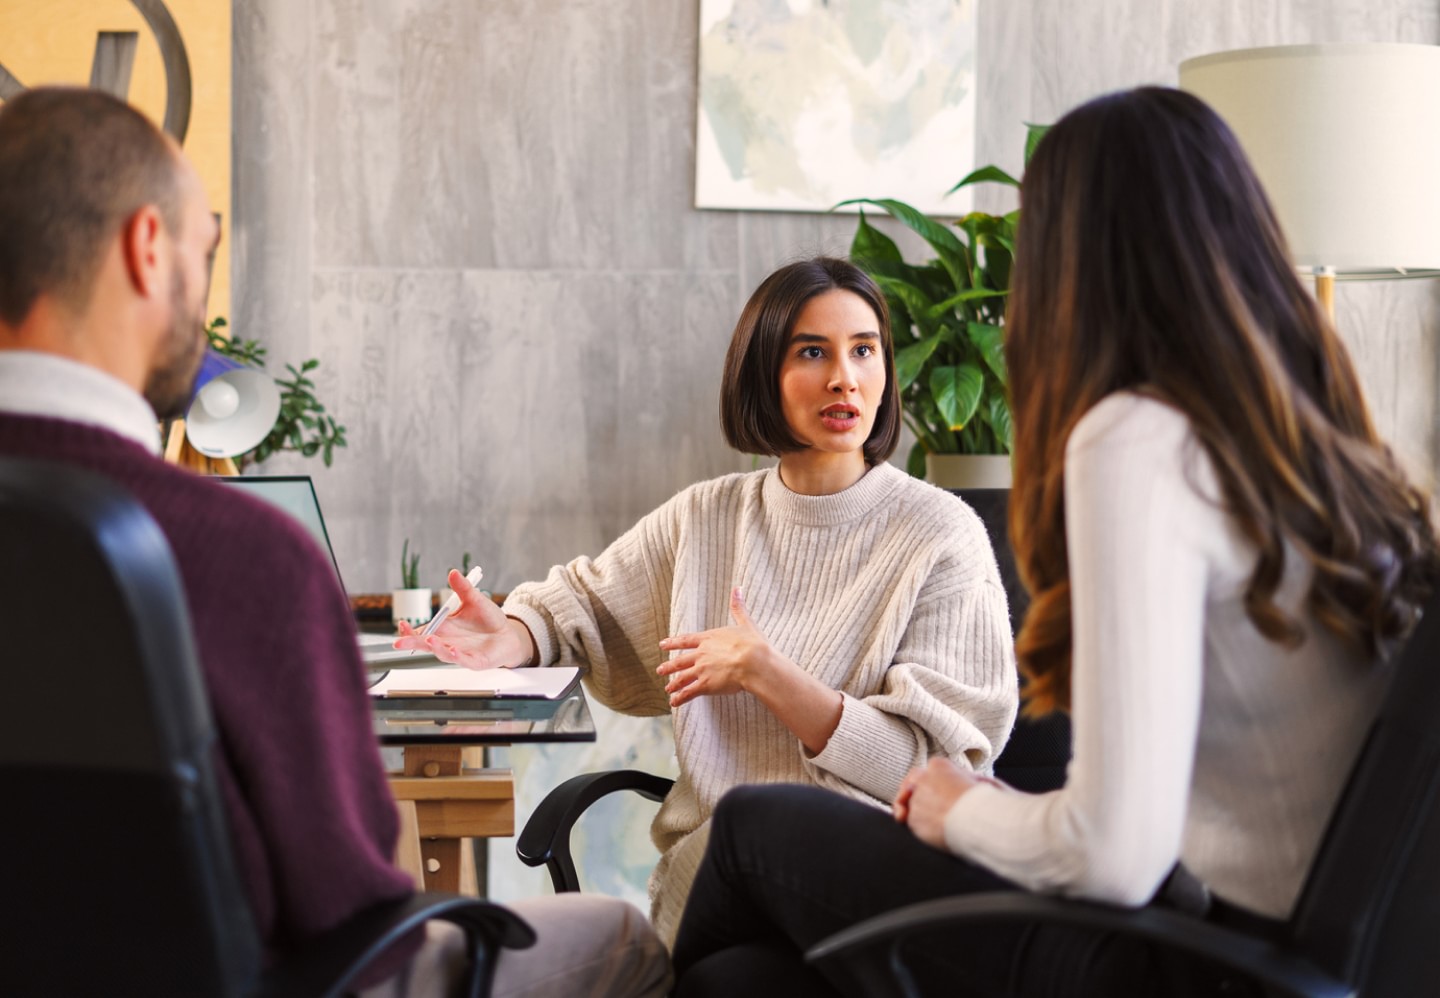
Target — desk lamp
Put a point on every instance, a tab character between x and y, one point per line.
232	409
1346	140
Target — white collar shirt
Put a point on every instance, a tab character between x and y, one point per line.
44	384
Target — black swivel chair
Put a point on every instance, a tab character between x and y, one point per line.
119	873
1034	758
1367	917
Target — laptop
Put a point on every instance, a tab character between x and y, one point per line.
295	494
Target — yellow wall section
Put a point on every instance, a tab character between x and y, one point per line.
53	41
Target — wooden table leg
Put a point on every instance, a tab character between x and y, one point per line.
409	855
452	805
443	861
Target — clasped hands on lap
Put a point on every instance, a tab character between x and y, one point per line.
719	662
926	795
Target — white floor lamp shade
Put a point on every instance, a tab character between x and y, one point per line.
1346	140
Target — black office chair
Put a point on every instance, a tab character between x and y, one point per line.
119	873
1366	919
1034	758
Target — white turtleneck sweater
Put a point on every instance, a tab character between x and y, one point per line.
1196	738
887	591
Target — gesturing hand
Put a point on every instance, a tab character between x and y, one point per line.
477	636
926	796
719	661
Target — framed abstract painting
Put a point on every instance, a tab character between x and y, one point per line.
806	103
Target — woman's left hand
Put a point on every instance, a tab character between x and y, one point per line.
926	796
716	662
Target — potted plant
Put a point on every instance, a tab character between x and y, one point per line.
410	603
948	319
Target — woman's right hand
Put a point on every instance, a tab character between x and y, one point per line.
477	636
926	796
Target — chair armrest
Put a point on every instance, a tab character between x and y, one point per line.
1280	971
546	836
328	965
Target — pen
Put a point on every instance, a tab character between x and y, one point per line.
453	603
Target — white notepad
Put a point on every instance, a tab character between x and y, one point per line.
453	681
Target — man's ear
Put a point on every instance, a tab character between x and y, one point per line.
140	239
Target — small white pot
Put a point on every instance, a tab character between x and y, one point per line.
410	605
968	471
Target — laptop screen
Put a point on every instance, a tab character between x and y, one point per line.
295	494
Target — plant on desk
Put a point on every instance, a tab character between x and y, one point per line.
410	603
303	425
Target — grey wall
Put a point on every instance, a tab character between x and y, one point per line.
478	215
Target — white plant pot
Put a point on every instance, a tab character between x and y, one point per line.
968	471
410	605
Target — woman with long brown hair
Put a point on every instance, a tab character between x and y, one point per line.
1221	554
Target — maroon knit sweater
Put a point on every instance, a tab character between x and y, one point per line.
311	817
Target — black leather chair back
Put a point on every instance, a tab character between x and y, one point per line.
1370	912
119	876
1035	758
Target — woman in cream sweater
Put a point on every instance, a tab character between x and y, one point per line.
1221	554
830	622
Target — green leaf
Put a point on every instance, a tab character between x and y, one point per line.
990	341
916	301
999	260
947	246
915	463
986	174
1033	135
911	360
1000	421
871	246
940	309
957	392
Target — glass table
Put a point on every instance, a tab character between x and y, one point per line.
476	721
445	793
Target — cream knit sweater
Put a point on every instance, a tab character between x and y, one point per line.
887	591
1195	737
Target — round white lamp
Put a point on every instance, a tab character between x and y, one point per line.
232	409
1346	140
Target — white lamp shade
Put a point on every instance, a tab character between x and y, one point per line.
1346	140
233	408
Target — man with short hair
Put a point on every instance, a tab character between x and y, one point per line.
105	245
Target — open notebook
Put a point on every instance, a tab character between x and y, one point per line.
453	681
295	494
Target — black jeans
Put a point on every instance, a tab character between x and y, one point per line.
788	866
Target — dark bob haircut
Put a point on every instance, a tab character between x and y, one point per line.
750	410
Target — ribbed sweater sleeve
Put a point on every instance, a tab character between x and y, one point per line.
949	692
1140	540
608	613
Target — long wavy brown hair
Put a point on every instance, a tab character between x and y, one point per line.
1149	259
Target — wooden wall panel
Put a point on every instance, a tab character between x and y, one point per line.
54	42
